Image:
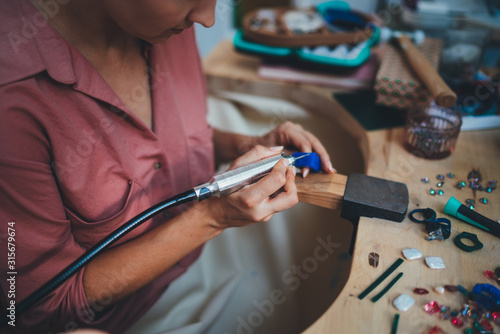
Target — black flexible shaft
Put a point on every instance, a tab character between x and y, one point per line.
60	278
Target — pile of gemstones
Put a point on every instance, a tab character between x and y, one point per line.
474	179
481	309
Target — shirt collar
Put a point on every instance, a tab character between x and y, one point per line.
31	45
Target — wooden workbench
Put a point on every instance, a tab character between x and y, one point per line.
384	156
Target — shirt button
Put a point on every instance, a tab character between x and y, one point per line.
157	165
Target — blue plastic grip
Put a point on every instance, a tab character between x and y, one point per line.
311	160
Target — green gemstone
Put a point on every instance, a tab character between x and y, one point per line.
440	192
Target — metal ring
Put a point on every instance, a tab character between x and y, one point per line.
472	237
428	213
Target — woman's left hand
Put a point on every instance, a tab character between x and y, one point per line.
294	135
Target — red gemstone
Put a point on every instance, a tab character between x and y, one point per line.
436	330
432	307
490	274
496	317
420	291
484	326
457	322
451	288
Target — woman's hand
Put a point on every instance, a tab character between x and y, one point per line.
293	135
256	202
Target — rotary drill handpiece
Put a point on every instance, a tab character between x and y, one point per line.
233	180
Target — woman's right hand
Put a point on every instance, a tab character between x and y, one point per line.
256	202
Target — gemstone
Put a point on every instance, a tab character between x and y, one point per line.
439	184
457	322
439	289
454	313
492	182
480	187
489	189
496	317
440	192
490	274
460	184
450	175
424	180
432	307
473	310
469	201
432	192
484	326
420	291
435	262
403	302
412	254
471	207
436	330
451	288
440	177
445	313
483	200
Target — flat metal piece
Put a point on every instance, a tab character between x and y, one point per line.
369	196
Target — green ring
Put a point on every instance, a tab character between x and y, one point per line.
471	237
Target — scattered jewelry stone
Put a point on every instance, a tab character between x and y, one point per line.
490	274
454	313
488	190
440	177
484	326
412	254
495	316
439	290
420	291
450	175
432	192
424	180
432	307
435	262
445	313
440	184
436	330
471	207
451	288
457	322
403	302
373	259
469	201
483	200
440	192
460	184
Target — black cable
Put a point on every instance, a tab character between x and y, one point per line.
89	255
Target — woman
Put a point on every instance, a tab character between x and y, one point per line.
103	115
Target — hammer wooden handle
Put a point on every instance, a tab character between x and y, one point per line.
326	190
440	91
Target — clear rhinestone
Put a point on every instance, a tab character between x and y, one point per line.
450	175
424	180
440	184
483	200
440	177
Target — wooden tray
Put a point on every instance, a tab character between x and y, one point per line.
284	37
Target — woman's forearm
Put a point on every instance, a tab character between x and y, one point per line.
229	146
126	268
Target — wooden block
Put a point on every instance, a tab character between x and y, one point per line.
325	190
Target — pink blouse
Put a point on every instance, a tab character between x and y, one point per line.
75	164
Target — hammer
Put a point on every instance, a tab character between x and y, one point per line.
357	195
439	90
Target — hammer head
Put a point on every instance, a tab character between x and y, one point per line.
370	196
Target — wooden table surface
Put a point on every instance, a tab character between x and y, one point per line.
385	157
